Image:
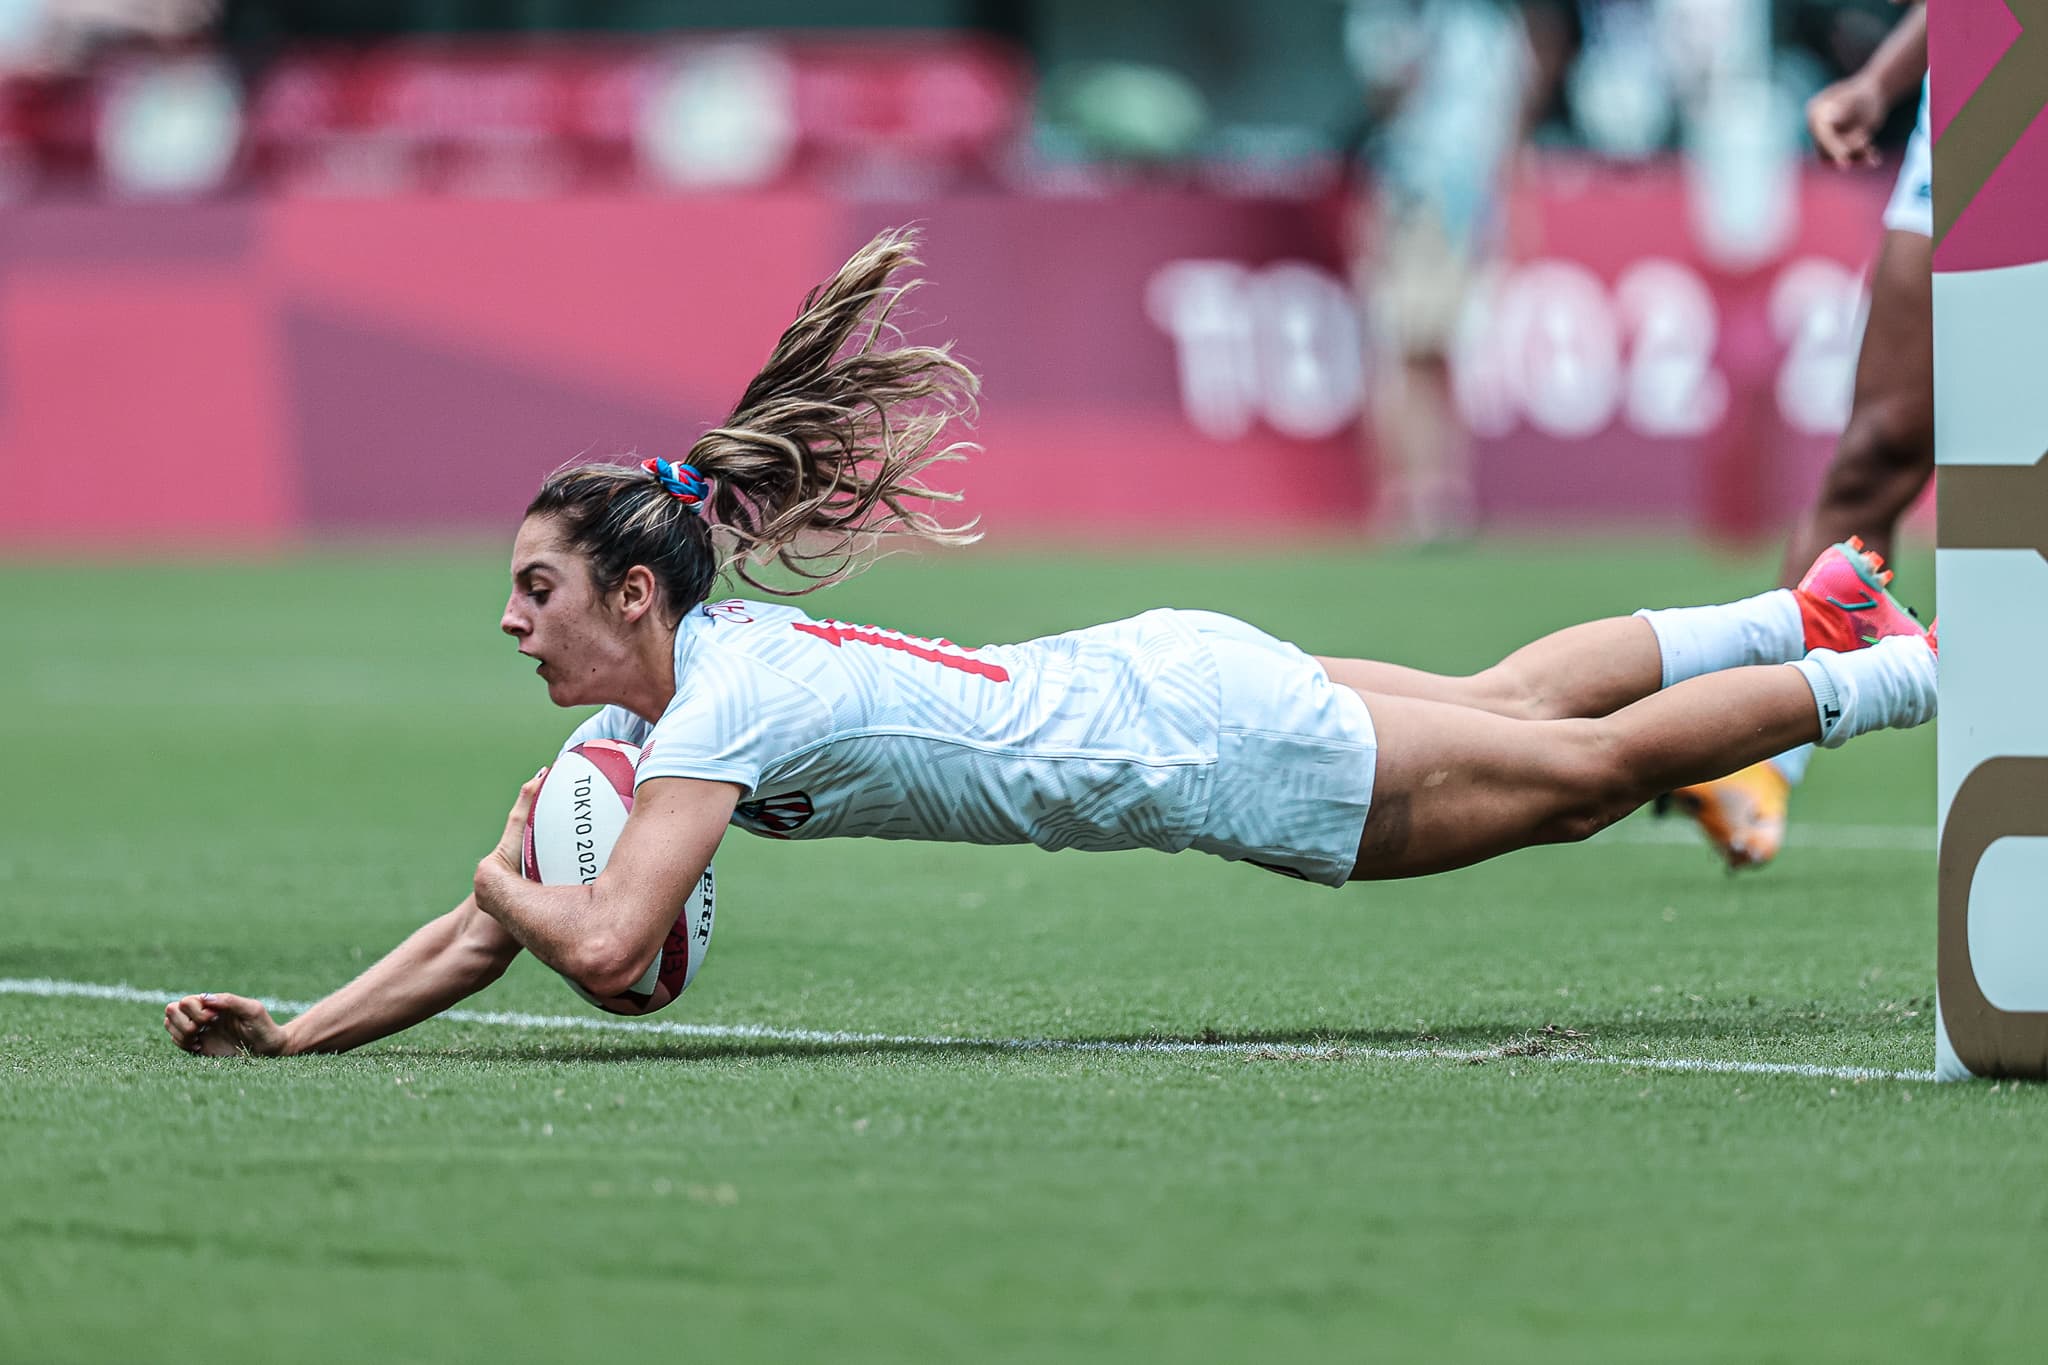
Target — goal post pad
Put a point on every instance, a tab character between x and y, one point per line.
1989	92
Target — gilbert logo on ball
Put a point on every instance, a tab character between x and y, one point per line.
577	818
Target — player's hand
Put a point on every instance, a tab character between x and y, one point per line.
511	849
1844	118
223	1026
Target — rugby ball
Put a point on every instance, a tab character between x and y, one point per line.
577	816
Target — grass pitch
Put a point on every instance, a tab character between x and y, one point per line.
259	776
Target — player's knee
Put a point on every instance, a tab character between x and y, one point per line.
1595	784
1505	692
1580	822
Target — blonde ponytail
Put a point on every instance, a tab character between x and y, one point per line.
823	455
820	460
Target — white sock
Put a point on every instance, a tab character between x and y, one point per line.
1888	686
1765	629
1792	763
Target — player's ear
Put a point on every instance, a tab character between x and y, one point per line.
638	592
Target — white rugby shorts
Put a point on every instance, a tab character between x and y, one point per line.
1295	757
1912	203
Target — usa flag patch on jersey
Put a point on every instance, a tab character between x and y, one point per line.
775	816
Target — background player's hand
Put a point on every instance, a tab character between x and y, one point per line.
1844	118
223	1026
511	849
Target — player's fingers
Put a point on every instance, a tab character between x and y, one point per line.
219	1042
245	1025
186	1035
1841	141
185	1028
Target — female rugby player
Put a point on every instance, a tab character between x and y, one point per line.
1172	730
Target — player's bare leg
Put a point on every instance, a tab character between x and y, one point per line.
1584	670
1454	786
1425	449
1598	667
1881	465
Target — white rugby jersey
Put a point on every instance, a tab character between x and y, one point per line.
1103	738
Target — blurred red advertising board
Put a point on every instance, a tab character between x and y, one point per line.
1158	363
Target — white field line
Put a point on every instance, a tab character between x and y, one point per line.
762	1033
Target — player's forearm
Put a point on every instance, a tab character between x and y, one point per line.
439	965
1899	62
563	926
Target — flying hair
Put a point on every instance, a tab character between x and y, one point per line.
826	448
820	461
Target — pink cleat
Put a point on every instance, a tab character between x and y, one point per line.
1843	601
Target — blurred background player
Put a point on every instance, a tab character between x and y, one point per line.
1456	80
1886	452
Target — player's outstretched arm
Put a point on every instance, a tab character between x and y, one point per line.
443	962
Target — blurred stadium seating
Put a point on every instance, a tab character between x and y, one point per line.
313	261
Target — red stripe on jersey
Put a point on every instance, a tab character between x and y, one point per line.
837	633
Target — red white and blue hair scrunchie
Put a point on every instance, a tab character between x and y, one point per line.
682	481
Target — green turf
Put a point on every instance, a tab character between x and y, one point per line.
258	776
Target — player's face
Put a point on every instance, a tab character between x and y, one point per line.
561	620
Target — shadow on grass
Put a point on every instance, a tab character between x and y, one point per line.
1788	1033
360	1252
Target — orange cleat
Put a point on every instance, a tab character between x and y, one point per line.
1742	814
1843	602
